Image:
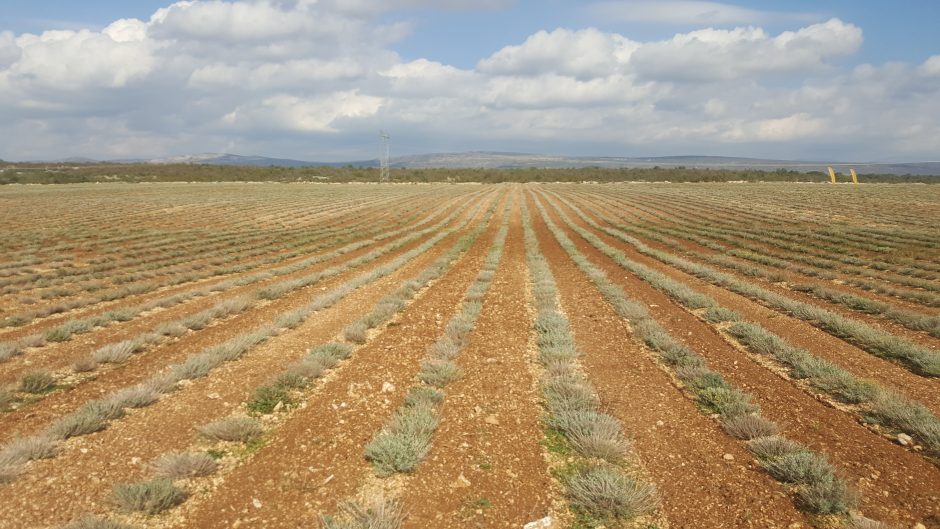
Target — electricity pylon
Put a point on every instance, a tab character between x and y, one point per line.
383	162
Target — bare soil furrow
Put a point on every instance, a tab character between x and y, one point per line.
315	459
490	429
60	403
80	478
683	451
869	460
798	332
57	356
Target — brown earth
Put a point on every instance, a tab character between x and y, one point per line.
80	478
486	467
883	472
797	332
316	459
57	356
683	451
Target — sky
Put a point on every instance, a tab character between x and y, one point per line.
318	79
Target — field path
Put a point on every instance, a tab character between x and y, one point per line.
486	467
80	478
870	461
798	332
292	473
683	451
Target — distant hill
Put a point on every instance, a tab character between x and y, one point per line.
513	160
509	160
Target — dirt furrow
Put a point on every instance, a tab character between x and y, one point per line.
57	356
614	210
79	479
871	462
103	334
486	467
315	459
798	332
683	451
141	366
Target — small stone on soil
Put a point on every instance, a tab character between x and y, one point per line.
728	457
544	523
905	440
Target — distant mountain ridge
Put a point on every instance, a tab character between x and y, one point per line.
514	160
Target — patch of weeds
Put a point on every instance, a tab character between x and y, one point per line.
254	445
26	449
727	401
604	492
372	513
179	465
149	497
95	522
749	426
216	454
37	382
241	429
555	442
267	398
481	503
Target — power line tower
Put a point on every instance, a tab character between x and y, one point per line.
383	162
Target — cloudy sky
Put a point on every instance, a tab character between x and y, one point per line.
317	79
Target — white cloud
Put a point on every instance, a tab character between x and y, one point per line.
253	21
931	67
552	90
583	53
379	6
67	60
796	126
316	114
277	76
687	12
717	54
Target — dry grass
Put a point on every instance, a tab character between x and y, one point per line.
240	429
26	449
438	372
605	493
372	513
137	396
148	497
95	522
749	426
117	352
181	465
36	382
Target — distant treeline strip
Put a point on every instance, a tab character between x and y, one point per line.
134	173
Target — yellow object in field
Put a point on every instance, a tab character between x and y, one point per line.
854	176
832	175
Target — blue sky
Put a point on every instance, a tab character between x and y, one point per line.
894	31
826	80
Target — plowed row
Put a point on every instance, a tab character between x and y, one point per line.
386	274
